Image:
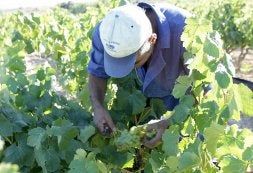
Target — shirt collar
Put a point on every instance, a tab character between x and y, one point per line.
163	37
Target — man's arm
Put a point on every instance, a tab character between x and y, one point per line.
97	89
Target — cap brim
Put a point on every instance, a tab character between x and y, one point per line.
119	67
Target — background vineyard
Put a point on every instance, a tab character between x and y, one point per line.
46	117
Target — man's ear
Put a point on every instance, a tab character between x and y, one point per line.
152	38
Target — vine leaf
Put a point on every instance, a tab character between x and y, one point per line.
211	48
170	141
188	160
212	135
86	133
222	77
244	98
183	83
232	164
36	136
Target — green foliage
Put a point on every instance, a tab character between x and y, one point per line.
231	18
84	162
42	131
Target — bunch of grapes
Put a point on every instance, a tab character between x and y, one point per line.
132	138
126	140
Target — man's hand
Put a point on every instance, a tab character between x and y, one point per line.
159	127
104	122
101	118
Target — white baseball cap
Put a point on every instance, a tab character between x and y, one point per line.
122	32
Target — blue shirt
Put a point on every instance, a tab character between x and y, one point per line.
166	61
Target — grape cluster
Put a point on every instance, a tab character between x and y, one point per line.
127	140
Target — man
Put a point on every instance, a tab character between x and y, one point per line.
145	37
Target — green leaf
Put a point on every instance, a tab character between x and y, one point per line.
29	46
212	135
197	63
211	48
17	49
129	164
172	162
158	107
41	75
40	156
188	100
234	141
64	131
229	64
50	71
91	164
244	98
35	90
179	90
170	141
188	160
36	136
65	139
133	102
231	142
183	83
86	133
233	137
232	164
52	160
181	113
83	162
247	155
16	65
206	114
98	141
20	154
195	28
115	157
222	77
233	107
197	75
156	160
6	128
17	119
77	166
68	153
137	101
195	147
102	167
22	79
12	84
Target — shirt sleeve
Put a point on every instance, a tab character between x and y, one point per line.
96	63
